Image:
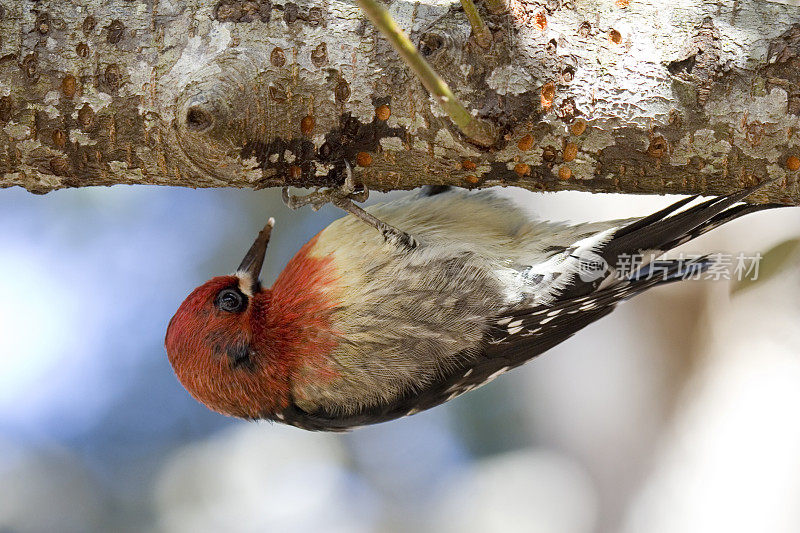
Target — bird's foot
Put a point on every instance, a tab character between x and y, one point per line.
344	197
329	195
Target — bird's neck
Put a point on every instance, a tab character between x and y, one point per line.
298	321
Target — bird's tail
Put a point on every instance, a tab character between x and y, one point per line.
671	227
662	231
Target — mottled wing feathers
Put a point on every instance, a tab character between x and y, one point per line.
527	333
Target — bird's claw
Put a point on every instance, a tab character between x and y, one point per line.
344	197
332	195
400	239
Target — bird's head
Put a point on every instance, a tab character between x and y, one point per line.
219	345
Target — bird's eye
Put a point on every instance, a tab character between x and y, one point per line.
231	300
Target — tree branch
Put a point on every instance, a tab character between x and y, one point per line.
204	93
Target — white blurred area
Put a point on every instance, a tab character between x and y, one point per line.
677	413
529	490
258	477
730	458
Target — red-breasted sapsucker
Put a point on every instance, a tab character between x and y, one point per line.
454	289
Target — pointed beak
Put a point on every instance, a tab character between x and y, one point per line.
254	260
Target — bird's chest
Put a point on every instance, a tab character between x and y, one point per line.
400	321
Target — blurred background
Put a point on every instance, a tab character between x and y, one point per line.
677	413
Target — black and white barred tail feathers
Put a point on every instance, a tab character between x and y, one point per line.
670	227
718	220
666	229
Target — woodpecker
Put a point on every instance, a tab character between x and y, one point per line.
453	289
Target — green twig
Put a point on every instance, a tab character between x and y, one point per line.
479	30
479	131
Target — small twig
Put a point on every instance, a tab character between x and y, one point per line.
479	131
479	29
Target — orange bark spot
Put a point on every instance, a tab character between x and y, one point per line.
570	151
307	125
548	93
363	159
540	21
526	143
658	147
578	127
383	112
69	85
522	169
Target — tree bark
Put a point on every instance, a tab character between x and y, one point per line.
625	96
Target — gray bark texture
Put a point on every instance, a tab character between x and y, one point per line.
644	96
